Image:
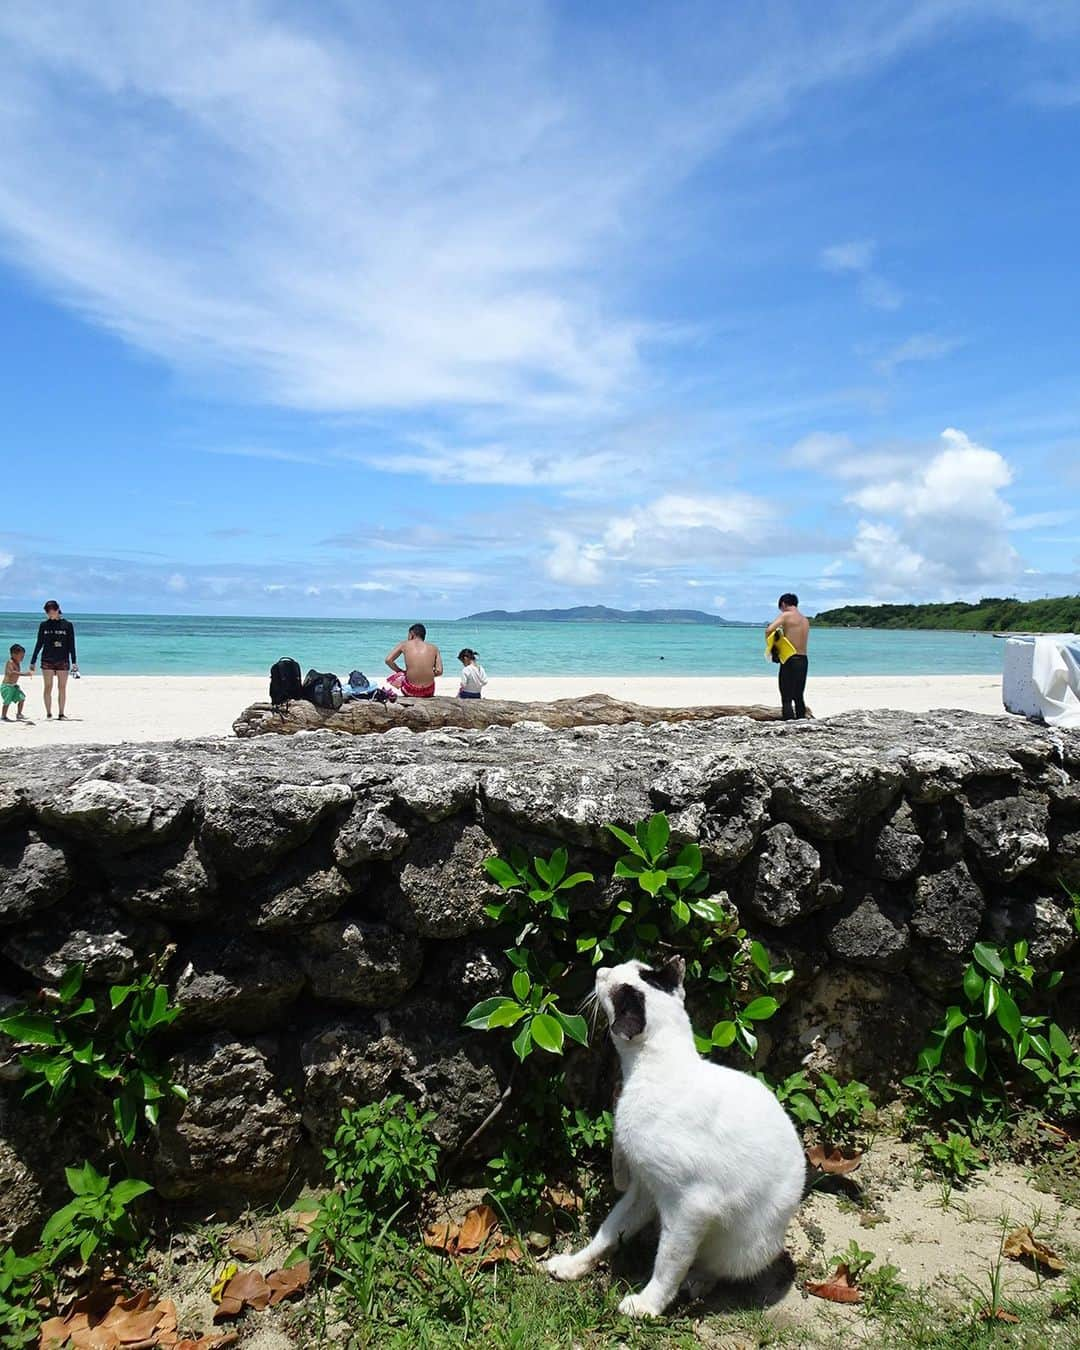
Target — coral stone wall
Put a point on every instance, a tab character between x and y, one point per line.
325	897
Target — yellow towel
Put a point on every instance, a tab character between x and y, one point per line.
784	647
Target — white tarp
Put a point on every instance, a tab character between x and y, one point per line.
1055	677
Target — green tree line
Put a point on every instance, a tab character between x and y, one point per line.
991	614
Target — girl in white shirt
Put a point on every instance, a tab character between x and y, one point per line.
473	677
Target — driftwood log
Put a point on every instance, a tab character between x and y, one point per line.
359	717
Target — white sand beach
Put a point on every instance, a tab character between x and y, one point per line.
108	709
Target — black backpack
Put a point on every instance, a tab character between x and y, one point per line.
323	690
285	681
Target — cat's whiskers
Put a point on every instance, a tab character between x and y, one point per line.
589	1008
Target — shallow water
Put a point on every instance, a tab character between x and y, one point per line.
135	644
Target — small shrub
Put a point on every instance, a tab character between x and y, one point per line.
25	1282
954	1157
88	1050
96	1225
840	1111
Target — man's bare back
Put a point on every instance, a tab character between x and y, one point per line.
796	628
423	661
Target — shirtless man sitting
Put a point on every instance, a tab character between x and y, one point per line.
796	628
422	663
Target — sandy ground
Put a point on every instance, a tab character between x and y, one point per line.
113	708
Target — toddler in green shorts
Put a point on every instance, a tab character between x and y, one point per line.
9	691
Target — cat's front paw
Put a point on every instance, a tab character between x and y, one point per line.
633	1305
566	1267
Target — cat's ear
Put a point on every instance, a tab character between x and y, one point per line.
628	1005
668	978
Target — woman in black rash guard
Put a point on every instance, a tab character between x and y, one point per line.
56	643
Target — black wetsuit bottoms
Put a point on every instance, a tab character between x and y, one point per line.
793	686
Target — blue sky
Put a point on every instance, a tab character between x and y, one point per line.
422	309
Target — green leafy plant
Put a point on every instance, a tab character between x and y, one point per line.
25	1281
796	1095
993	1049
543	1023
536	889
955	1157
382	1161
96	1224
881	1289
97	1050
855	1258
841	1110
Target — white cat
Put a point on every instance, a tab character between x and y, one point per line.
709	1150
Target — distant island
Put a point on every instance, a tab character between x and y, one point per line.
602	614
989	615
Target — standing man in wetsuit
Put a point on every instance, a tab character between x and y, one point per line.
56	643
796	628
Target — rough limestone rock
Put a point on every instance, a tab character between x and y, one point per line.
368	835
871	931
175	882
33	876
785	883
1006	836
415	1050
361	718
946	915
236	983
245	826
444	886
235	1137
369	965
109	946
323	881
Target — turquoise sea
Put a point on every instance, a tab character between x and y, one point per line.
153	644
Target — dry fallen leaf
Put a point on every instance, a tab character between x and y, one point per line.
246	1290
998	1315
303	1220
131	1323
563	1199
501	1248
285	1283
253	1244
480	1222
838	1288
836	1161
1022	1245
442	1237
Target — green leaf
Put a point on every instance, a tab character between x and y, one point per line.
681	911
702	1044
477	1016
502	873
747	1040
760	957
973	984
677	873
557	866
543	871
586	943
723	1033
761	1008
690	856
989	959
71	982
712	911
509	1015
954	1019
27	1028
559	908
59	1222
657	834
521	984
56	1072
647	932
119	993
651	881
125	1191
547	1033
126	1115
991	994
522	1043
628	841
629	867
575	879
1060	1043
975	1051
575	1027
1008	1015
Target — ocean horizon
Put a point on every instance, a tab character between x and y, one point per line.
176	644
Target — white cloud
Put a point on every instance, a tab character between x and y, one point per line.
572	562
719	601
857	259
940	528
6	559
177	583
920	347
